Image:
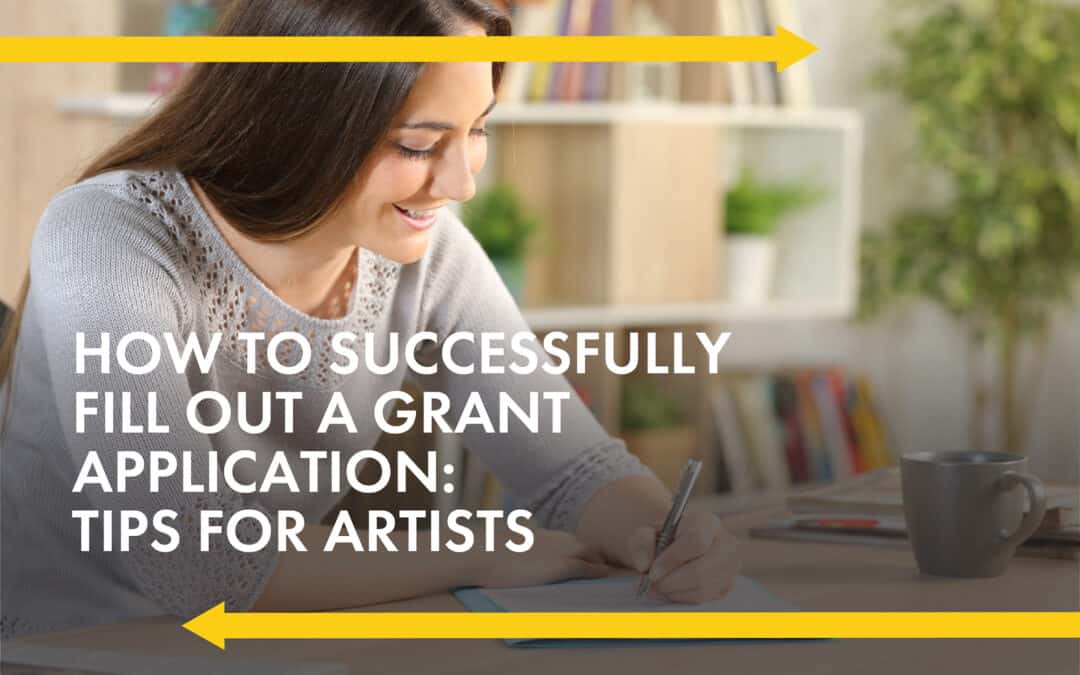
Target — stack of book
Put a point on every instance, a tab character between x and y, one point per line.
740	83
796	427
869	510
534	82
760	83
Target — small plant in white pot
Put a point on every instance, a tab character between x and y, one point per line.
752	213
502	224
655	429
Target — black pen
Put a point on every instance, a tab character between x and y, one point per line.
671	523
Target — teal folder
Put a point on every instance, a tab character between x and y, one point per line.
751	597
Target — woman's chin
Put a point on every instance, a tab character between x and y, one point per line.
405	252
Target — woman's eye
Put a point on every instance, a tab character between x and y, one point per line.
418	154
413	153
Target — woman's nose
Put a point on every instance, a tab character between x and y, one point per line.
454	179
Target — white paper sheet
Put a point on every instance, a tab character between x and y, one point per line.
620	595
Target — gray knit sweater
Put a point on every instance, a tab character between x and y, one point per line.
134	251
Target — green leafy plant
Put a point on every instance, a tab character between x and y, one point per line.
500	221
645	406
994	92
754	208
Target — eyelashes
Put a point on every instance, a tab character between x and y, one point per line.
409	153
418	155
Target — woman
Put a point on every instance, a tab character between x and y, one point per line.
307	198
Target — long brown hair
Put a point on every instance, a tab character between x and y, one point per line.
275	145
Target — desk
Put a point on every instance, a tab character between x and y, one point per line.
823	577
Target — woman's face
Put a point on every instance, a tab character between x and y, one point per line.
436	146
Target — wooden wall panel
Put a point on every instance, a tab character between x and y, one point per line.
665	213
562	173
40	149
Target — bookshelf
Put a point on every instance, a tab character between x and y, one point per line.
769	133
630	194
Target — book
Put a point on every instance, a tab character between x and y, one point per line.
795	85
868	427
841	399
572	86
734	456
596	74
786	403
763	73
832	427
559	70
1063	544
891	526
1033	548
739	77
535	18
549	23
878	493
817	456
764	440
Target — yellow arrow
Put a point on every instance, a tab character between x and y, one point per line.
785	48
216	625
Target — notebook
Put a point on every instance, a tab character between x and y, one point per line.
612	594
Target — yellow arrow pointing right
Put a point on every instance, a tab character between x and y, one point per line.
785	48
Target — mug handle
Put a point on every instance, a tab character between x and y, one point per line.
1034	516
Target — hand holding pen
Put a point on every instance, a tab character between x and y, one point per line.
691	558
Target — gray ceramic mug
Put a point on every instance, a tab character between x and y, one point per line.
964	516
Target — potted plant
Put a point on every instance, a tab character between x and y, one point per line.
502	224
752	213
654	429
992	89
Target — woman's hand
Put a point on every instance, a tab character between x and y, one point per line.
554	556
699	565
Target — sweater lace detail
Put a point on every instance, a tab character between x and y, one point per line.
235	301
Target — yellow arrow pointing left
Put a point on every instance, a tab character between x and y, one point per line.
217	626
785	48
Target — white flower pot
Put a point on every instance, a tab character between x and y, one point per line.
748	274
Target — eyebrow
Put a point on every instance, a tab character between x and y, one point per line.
443	126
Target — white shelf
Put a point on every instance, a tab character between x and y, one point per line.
613	316
676	113
116	106
137	106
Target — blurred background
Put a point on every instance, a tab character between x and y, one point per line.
890	229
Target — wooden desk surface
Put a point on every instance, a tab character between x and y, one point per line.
824	577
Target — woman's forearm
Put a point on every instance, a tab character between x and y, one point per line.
618	509
322	580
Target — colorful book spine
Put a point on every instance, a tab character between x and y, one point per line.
798	427
559	70
596	74
836	444
786	403
841	399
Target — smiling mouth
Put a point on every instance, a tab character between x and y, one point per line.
420	221
417	214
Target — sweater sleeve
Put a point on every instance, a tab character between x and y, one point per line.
553	475
100	264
